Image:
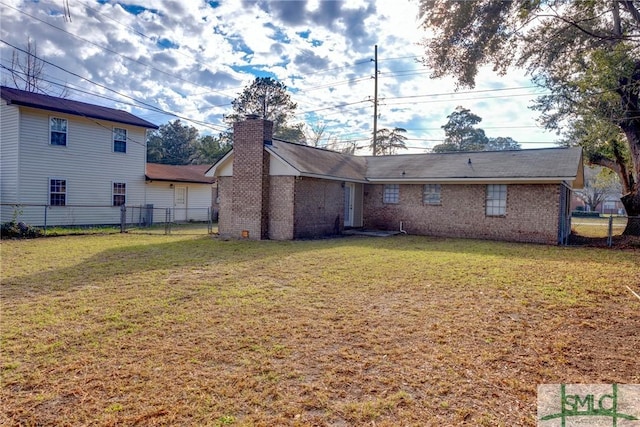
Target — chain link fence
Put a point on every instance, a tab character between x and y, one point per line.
149	219
82	219
599	226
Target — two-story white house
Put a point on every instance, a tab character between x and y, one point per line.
68	162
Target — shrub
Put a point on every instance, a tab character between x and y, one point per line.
585	214
19	230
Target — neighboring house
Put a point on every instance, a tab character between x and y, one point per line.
270	189
82	160
184	189
610	205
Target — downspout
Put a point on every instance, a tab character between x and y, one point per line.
401	230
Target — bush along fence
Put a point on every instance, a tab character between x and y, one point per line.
24	219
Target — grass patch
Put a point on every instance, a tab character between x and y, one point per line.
597	227
192	330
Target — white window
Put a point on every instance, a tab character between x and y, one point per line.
496	200
57	131
391	193
119	193
57	192
431	194
119	140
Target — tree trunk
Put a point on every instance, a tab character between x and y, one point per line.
631	204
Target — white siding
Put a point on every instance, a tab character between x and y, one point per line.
161	195
9	135
88	164
199	201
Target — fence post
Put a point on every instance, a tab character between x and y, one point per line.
610	234
123	218
167	221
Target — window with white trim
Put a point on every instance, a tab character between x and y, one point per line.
57	192
431	194
496	200
58	131
119	193
391	193
119	140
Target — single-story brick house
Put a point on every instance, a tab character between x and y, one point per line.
271	189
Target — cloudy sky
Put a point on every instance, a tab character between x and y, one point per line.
189	59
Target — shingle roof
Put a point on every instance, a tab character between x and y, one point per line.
178	173
536	165
319	162
77	108
548	163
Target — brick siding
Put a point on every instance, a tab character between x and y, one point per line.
531	213
281	210
249	188
319	207
289	207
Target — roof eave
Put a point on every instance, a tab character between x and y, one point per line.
142	124
186	180
333	178
472	180
211	172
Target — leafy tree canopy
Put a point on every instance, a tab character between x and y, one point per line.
209	149
269	99
461	134
172	144
389	141
586	53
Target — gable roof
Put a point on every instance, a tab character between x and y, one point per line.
77	108
535	165
319	162
178	173
547	165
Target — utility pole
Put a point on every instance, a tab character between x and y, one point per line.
375	101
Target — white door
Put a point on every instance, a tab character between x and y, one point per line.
349	191
180	203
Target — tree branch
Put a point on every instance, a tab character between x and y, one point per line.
584	30
633	11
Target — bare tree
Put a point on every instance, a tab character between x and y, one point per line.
315	133
598	185
27	71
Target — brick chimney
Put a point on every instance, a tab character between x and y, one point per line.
250	195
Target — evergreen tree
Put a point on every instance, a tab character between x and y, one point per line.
172	144
270	100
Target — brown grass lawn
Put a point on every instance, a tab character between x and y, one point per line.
192	330
597	227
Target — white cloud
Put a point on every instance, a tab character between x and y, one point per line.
191	59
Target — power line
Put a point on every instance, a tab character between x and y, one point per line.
138	102
115	52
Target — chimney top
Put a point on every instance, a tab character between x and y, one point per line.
251	116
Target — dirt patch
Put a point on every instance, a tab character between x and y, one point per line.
617	242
